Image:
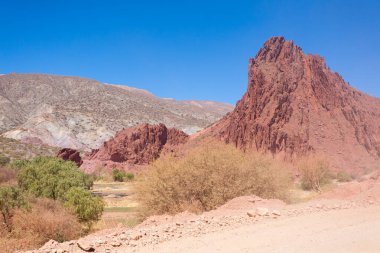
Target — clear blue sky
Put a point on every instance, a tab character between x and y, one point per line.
185	49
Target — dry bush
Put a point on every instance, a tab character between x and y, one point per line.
315	172
46	219
103	174
7	175
207	177
343	176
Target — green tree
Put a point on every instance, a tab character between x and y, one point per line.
87	208
10	198
51	177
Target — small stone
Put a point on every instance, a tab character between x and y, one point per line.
86	247
276	212
262	211
123	237
251	213
136	236
115	244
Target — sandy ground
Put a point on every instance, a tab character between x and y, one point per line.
356	230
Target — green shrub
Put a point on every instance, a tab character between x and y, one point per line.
50	177
315	172
130	176
118	175
10	199
87	208
4	160
207	177
343	176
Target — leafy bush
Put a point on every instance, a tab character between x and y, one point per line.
10	199
4	160
51	177
343	176
45	219
207	177
118	175
315	172
87	208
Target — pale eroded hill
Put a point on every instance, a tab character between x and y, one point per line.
82	113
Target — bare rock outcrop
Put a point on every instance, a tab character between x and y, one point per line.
140	144
295	105
69	154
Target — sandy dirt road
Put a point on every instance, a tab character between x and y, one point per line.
347	230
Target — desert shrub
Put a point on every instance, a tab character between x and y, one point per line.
206	178
267	177
315	172
51	177
118	175
10	199
45	219
87	208
102	174
343	176
4	160
7	175
130	176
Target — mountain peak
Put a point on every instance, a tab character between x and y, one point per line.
278	49
294	105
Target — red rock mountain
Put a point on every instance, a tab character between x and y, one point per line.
69	154
295	104
140	144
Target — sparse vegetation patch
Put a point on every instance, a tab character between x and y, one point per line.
206	178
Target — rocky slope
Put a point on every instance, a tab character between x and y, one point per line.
140	144
81	113
295	105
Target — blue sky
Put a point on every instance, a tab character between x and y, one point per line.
185	49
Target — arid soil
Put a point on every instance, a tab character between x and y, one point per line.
346	219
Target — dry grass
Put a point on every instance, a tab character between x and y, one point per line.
206	178
7	175
46	219
315	172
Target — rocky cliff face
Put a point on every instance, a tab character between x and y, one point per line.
69	154
140	144
295	105
79	113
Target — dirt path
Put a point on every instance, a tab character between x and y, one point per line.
345	219
347	230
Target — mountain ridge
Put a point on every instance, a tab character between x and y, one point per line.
82	113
